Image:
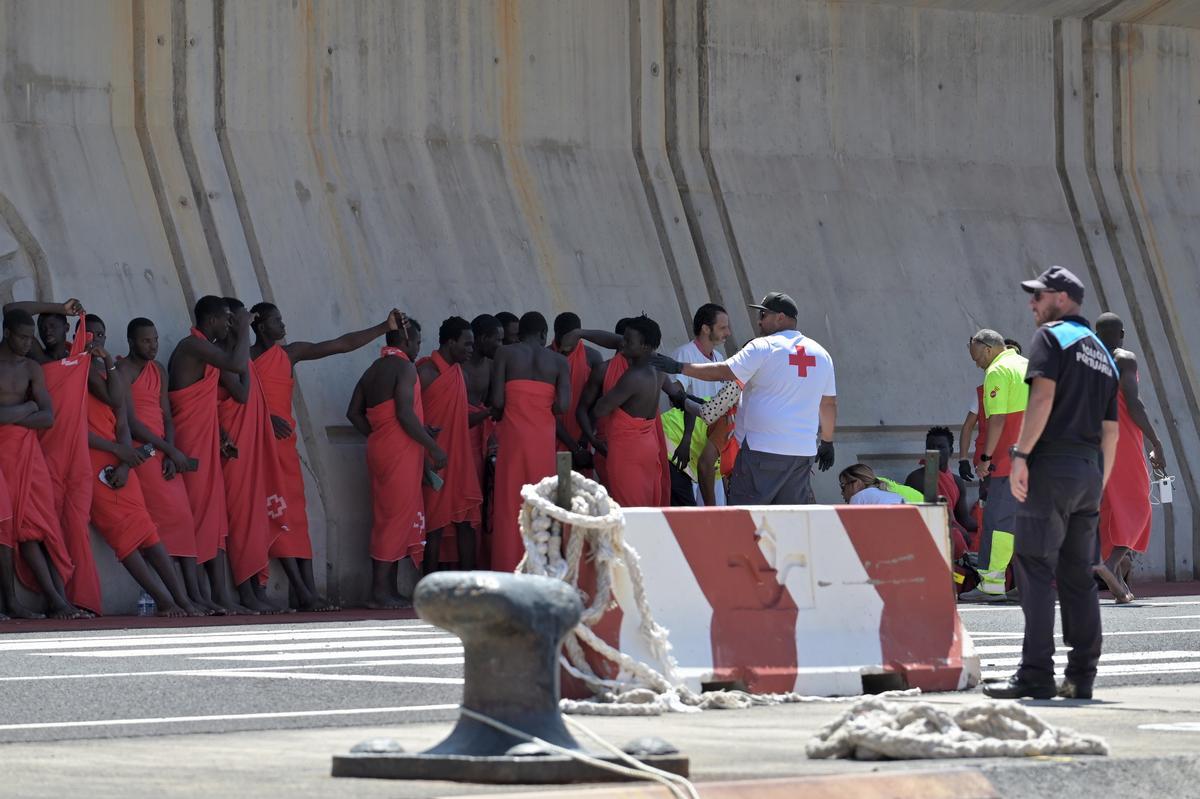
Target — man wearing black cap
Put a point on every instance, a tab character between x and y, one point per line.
788	397
1061	461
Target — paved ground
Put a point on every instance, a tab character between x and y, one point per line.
285	696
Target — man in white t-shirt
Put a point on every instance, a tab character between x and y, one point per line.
788	397
699	478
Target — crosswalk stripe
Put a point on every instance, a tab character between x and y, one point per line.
286	675
284	657
104	675
98	642
215	650
1107	634
1125	670
282	714
1105	658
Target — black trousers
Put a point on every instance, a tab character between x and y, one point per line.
1056	541
682	495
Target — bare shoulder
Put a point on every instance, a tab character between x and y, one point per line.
594	358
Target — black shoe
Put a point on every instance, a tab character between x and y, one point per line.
1070	690
1016	688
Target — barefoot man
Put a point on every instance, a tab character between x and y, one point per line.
274	364
457	501
531	386
386	408
477	371
119	511
34	528
64	444
194	371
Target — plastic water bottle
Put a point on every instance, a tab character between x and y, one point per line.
146	606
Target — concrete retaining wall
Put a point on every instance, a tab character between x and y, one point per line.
895	166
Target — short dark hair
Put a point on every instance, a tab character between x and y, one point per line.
485	325
706	314
452	328
531	324
414	324
207	307
506	318
1014	344
649	330
395	338
565	322
15	318
234	303
93	319
941	432
136	324
48	316
622	323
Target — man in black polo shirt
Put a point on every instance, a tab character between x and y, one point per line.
1060	464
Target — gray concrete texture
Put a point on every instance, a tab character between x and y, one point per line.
896	166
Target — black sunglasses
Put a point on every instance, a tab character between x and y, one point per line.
1037	295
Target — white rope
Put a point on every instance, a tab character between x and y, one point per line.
638	689
875	729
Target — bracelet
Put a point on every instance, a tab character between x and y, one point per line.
1016	453
112	368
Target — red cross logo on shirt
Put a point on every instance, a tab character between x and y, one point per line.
802	361
276	505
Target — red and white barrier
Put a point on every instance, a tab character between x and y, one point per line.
806	599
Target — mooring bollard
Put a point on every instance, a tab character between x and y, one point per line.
511	626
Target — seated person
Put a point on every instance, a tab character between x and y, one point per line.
950	485
860	486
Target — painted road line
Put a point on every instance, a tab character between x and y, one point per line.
366	653
1178	726
283	714
228	650
1105	658
1195	616
101	675
1107	634
285	675
46	644
1126	670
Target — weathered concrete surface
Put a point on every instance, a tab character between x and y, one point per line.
896	166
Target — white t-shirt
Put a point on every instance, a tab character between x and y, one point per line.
876	496
784	377
690	353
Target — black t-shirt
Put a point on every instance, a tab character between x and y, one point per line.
1085	378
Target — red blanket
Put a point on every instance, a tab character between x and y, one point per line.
66	451
29	494
1125	514
274	370
460	497
524	454
613	370
6	532
396	464
637	461
197	433
119	515
254	502
166	500
580	371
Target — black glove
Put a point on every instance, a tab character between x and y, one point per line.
825	455
965	471
664	364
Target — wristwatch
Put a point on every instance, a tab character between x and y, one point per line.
1013	452
984	458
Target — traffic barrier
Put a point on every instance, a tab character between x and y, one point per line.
810	599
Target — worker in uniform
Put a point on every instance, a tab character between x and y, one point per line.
1060	464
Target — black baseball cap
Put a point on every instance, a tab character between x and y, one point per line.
1056	278
778	302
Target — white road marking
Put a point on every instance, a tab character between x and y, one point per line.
1107	634
366	653
1127	670
426	661
288	714
284	675
113	642
221	650
1197	616
1178	726
1105	658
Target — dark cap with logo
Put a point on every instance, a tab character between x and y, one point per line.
778	302
1056	278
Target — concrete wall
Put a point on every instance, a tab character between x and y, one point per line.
896	166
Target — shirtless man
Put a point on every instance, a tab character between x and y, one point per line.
637	456
581	359
150	422
386	408
531	386
274	362
25	407
509	321
193	374
477	371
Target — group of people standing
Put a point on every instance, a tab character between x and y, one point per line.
189	471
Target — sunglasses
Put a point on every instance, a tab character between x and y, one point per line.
1037	295
763	313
